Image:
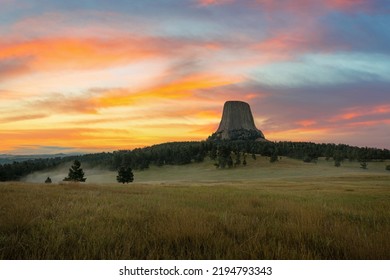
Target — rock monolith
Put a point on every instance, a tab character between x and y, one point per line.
237	123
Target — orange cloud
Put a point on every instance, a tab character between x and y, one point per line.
82	137
208	114
160	101
22	118
178	89
175	130
165	116
7	95
81	53
59	103
298	134
190	112
202	132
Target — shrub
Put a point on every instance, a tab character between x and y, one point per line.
125	175
76	173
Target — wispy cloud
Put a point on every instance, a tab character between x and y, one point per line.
17	118
297	5
180	89
79	138
58	103
130	73
213	2
11	67
78	53
357	114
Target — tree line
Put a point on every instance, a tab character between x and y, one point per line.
224	153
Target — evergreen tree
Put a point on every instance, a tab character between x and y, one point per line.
48	180
125	175
224	157
213	153
238	158
338	158
76	173
274	157
230	162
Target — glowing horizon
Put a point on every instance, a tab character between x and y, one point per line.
92	76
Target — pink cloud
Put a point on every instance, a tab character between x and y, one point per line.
347	4
213	2
306	123
352	114
297	6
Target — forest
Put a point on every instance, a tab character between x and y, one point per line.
223	153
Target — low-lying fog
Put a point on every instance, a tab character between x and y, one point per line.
93	175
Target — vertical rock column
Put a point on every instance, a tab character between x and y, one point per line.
237	123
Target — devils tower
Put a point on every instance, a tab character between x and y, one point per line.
237	123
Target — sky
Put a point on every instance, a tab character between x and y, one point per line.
95	75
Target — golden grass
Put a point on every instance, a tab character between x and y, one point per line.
344	217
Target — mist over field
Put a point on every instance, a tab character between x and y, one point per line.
259	169
57	175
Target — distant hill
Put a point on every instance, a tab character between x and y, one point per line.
6	158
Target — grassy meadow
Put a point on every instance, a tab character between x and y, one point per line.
286	210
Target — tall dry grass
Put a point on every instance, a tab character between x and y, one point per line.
340	218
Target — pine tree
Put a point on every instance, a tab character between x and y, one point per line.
230	162
48	180
224	157
238	158
125	175
76	173
338	158
274	157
